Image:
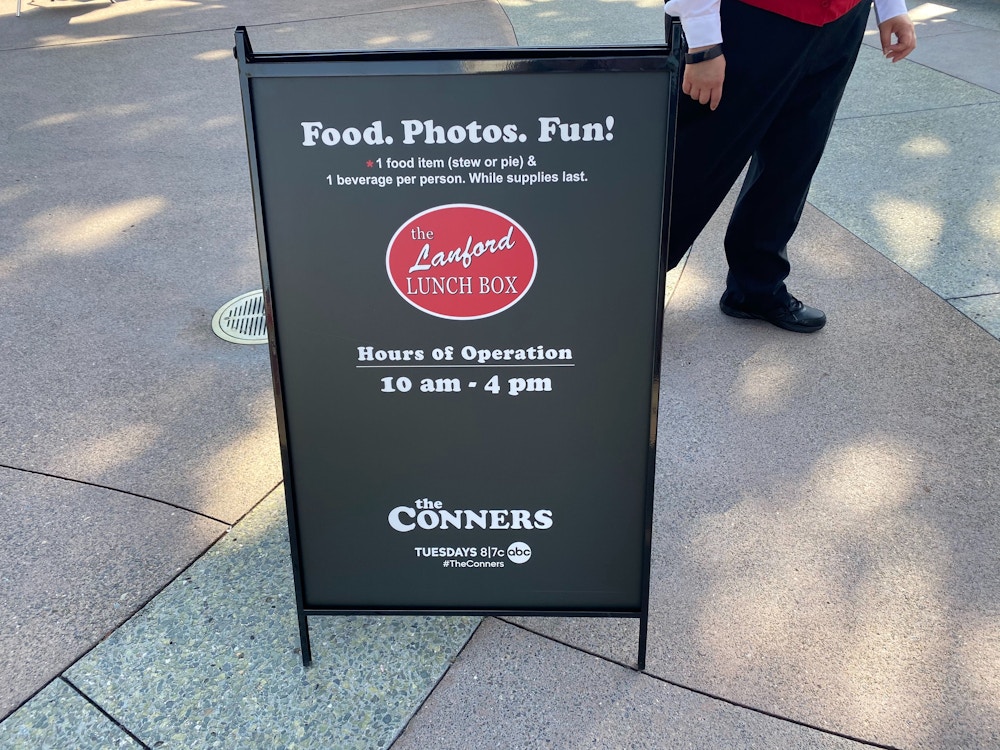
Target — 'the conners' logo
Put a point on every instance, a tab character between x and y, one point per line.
430	515
461	261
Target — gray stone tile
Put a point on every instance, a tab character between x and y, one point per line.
971	56
450	25
929	20
880	87
213	661
982	13
128	222
825	530
984	310
585	22
75	562
612	638
922	188
957	39
672	279
43	23
58	717
512	689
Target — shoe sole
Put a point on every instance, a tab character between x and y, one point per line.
732	312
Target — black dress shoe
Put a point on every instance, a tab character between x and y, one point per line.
792	315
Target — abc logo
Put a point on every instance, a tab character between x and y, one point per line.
519	552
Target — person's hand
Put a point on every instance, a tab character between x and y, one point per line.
703	81
901	28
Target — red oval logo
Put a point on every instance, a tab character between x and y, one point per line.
461	261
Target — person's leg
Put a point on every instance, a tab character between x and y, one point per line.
775	189
714	147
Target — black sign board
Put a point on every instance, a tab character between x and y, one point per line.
461	259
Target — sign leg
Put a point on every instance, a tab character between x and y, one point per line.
643	633
304	639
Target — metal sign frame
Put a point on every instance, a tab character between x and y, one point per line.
451	62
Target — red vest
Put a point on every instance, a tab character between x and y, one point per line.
812	12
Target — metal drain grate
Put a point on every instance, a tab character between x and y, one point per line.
242	321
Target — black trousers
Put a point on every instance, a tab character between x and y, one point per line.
784	82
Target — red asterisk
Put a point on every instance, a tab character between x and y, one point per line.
370	163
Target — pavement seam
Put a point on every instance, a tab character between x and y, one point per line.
104	713
142	606
126	492
921	111
910	273
972	296
404	9
258	502
431	692
510	23
704	693
779	717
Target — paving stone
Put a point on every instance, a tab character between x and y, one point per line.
75	562
578	24
43	23
825	530
214	660
881	87
984	310
59	717
515	690
921	187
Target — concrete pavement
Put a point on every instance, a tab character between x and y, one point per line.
826	528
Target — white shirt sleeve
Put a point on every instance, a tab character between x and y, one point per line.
702	27
700	19
886	9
